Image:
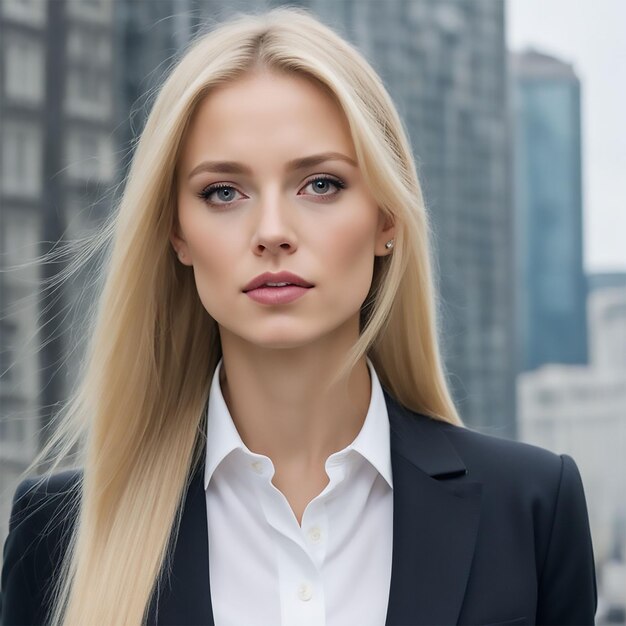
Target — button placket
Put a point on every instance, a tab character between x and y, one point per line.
277	510
314	532
302	594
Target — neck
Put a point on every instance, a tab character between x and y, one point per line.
282	406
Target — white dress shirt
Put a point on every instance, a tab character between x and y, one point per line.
267	570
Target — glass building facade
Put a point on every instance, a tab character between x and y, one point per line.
548	198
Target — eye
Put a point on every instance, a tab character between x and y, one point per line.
228	193
320	184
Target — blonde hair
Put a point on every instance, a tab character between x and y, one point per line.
137	418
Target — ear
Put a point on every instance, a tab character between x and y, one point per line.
180	246
386	231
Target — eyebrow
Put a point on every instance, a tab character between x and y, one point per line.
233	167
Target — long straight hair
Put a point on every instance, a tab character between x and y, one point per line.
135	422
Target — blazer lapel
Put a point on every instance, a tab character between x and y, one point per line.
185	596
435	524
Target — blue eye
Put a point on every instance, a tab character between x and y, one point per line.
339	184
229	190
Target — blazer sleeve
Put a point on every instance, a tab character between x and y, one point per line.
16	606
38	529
567	592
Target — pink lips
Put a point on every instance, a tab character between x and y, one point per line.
280	277
277	295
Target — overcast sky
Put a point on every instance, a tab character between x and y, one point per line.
590	34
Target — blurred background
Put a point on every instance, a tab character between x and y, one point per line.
515	112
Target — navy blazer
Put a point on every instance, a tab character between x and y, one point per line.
486	531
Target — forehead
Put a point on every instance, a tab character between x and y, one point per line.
267	112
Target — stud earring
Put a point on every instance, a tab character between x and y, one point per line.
389	244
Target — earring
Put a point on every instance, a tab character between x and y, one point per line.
389	244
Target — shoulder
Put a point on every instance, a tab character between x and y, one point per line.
443	449
41	505
516	467
525	482
43	492
532	490
513	476
42	514
486	455
533	501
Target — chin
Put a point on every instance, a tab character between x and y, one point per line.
281	341
278	334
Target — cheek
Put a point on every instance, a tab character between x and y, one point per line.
208	245
349	255
206	276
213	259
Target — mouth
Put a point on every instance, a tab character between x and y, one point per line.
277	286
276	281
267	294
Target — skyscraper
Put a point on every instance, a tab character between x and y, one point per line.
551	287
56	153
444	63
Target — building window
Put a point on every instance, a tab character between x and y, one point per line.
23	70
12	427
95	11
86	46
21	159
88	93
89	156
8	331
26	11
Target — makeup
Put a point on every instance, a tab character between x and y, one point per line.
277	295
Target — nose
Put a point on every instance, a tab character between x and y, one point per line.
274	227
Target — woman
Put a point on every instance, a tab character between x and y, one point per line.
264	429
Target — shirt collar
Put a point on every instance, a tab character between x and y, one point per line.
372	442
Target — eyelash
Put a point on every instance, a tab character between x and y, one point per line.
207	191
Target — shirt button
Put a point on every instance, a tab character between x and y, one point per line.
315	534
257	466
305	592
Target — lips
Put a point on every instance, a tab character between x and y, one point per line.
277	295
280	277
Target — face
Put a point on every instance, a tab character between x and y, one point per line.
245	207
